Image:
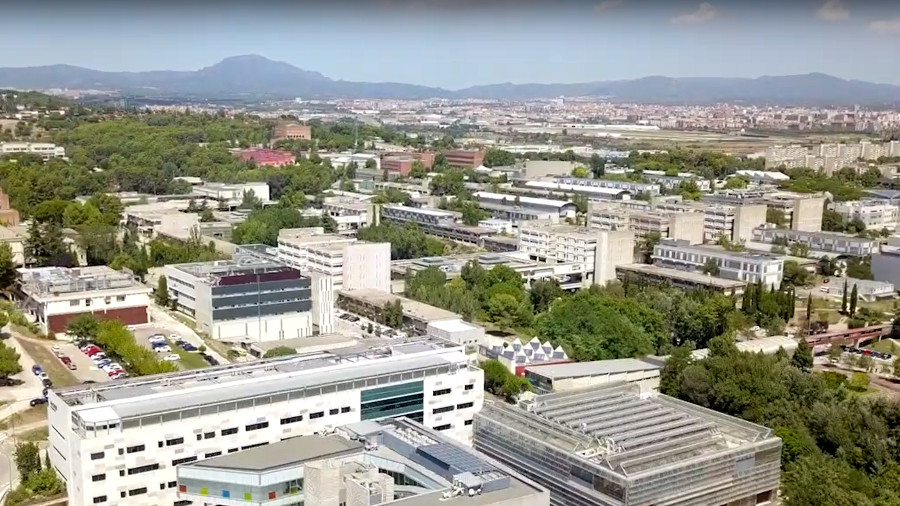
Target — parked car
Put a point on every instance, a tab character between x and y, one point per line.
98	357
210	359
93	351
37	370
46	382
10	382
175	337
38	401
188	347
171	358
162	349
158	338
71	366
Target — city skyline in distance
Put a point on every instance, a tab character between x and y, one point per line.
454	45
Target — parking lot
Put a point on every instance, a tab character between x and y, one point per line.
187	359
85	369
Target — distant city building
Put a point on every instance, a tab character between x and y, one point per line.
54	296
827	242
875	214
291	131
252	298
829	157
267	157
614	447
599	252
464	158
45	150
517	208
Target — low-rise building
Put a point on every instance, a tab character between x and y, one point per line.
393	462
613	446
875	214
467	159
828	242
566	377
417	316
866	289
267	157
291	131
599	251
45	150
590	191
679	278
232	195
54	296
735	265
635	188
16	244
517	208
253	297
435	222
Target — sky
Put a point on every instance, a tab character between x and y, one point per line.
459	43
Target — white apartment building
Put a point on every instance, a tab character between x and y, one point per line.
599	251
631	186
876	214
54	296
829	157
741	266
829	242
121	442
350	264
45	150
294	244
232	194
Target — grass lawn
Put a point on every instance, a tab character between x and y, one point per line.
27	417
35	435
885	346
59	374
190	360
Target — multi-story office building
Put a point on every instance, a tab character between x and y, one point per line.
294	244
45	150
599	251
876	214
688	225
252	298
631	186
614	447
394	462
829	242
736	265
349	213
292	131
54	296
464	158
357	266
121	442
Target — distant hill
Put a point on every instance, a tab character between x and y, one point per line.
256	76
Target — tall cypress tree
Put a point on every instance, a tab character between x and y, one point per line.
844	299
854	296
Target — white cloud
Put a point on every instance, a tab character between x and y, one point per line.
606	6
833	10
705	12
886	26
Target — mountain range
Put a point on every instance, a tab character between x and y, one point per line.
256	76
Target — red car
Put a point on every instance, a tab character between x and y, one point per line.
91	349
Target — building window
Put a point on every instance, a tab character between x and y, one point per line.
291	419
87	302
442	391
464	405
319	414
99	499
172	484
444	409
120	298
209	435
233	450
143	469
468	422
121	472
333	411
213	454
183	461
137	491
345	409
122	493
135	449
97	456
76	303
253	446
226	432
176	441
257	426
443	427
470	387
98	477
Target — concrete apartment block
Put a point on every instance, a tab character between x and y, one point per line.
807	216
687	226
614	248
746	218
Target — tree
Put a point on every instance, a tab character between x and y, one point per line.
85	326
711	267
250	201
543	292
28	459
392	315
579	172
371	164
497	158
206	215
503	310
832	221
161	294
896	368
809	306
844	295
679	360
854	296
794	274
499	381
9	361
417	170
834	354
8	273
803	357
280	351
598	165
472	214
775	217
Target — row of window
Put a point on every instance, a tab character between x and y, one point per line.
88	302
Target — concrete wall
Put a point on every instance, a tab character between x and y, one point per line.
687	226
539	168
266	328
746	218
322	295
367	266
613	249
807	216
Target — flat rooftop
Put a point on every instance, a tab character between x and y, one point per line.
695	278
717	250
61	281
617	429
596	368
248	259
288	452
411	308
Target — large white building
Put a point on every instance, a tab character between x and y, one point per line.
736	265
120	443
294	244
45	150
876	214
598	251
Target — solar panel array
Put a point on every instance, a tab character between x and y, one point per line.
455	457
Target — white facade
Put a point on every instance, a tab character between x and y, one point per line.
367	266
120	443
876	214
46	150
614	248
232	192
749	267
294	245
568	244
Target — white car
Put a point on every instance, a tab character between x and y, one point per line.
174	337
112	367
98	357
163	349
171	358
158	338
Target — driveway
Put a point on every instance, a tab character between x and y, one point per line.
32	386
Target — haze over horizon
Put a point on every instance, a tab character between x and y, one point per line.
453	44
